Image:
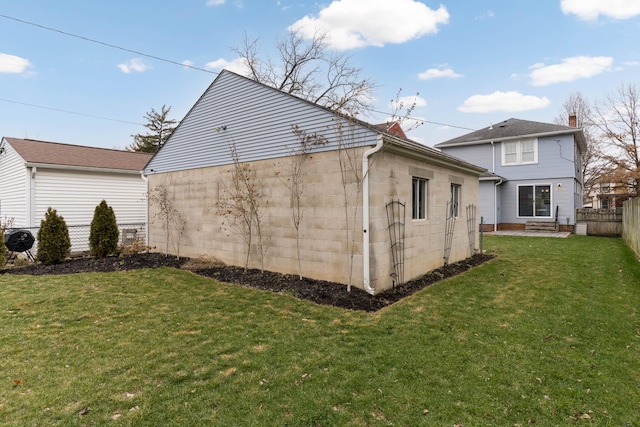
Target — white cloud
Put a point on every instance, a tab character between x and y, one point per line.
590	9
357	23
135	64
570	69
237	65
187	63
215	2
11	64
437	73
503	101
490	14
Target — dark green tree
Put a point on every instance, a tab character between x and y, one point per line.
103	235
159	128
53	239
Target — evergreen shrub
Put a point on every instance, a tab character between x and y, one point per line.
103	236
53	239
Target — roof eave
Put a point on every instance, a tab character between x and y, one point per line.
515	137
406	148
82	168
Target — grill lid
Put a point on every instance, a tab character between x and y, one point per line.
19	240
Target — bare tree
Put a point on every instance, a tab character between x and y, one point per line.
617	121
242	207
294	179
351	180
308	68
172	221
401	113
593	164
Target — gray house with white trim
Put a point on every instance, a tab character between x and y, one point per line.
534	172
351	174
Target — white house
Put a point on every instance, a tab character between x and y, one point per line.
73	179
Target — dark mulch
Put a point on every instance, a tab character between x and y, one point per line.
318	291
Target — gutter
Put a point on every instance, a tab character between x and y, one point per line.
510	138
366	262
81	168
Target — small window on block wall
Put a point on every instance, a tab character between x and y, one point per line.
419	198
455	200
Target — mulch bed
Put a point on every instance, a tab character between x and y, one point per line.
318	291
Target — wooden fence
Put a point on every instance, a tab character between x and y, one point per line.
631	224
601	222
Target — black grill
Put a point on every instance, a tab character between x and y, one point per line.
19	241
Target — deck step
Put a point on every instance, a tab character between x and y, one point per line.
548	226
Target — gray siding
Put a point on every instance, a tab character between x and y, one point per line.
480	155
555	160
558	163
561	196
487	202
255	119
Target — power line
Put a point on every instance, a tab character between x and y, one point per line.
158	58
69	112
424	121
107	44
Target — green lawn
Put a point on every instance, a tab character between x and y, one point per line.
547	333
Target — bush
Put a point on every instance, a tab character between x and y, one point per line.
103	237
53	239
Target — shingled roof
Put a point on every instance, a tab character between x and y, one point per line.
55	153
513	129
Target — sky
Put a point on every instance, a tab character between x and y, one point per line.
86	72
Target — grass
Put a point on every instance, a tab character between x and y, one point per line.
547	333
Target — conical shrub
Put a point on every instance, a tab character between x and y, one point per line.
53	239
103	237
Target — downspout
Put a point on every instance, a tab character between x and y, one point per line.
366	263
146	209
493	158
495	205
31	198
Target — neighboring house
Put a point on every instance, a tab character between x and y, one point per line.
534	172
73	179
353	170
609	195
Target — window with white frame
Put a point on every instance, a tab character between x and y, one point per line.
419	198
456	189
520	152
534	201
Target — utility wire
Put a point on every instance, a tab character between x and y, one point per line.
422	121
69	112
22	21
107	44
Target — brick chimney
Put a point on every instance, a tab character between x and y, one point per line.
573	120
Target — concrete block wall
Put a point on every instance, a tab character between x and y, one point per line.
325	244
325	240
